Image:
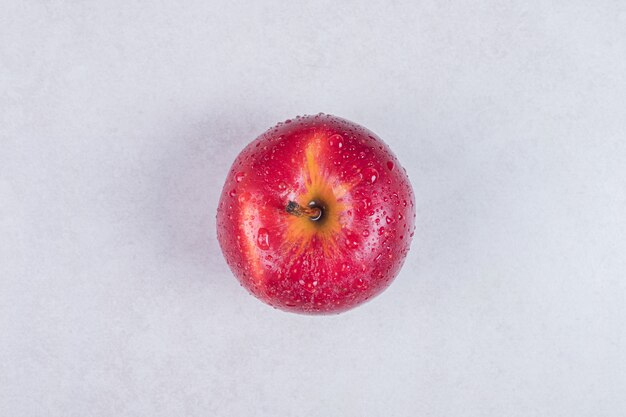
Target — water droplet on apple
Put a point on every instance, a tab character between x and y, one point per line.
390	165
263	239
243	197
366	233
309	284
336	140
381	231
371	175
360	284
282	186
232	193
352	243
388	219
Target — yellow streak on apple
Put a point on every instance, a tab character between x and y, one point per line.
319	185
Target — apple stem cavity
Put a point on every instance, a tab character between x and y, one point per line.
313	212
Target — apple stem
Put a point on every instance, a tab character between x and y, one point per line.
314	213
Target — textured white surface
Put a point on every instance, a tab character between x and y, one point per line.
119	120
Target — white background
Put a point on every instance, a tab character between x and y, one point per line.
119	120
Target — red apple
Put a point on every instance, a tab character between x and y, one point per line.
316	215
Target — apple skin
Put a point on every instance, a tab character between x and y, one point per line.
316	267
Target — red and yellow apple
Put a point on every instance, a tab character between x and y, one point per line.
316	215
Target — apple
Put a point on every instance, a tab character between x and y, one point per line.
316	215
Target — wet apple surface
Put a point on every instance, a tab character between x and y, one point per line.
316	215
